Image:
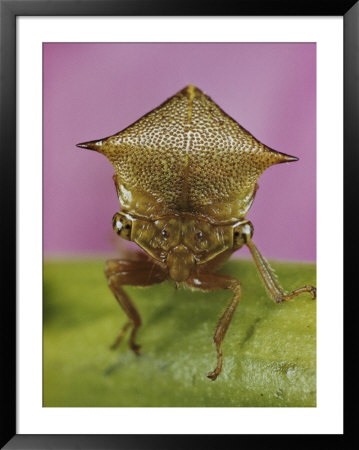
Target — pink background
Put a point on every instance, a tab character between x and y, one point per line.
95	90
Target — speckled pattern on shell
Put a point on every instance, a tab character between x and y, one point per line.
187	155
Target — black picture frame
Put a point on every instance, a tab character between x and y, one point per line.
9	10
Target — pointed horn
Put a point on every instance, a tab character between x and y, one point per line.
92	145
279	157
283	157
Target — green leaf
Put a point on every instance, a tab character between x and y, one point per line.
269	350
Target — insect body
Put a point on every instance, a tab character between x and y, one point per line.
186	175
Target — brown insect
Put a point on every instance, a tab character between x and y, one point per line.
186	175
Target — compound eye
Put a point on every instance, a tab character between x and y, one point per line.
122	226
247	231
242	233
165	234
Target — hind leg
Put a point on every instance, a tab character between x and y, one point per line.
270	282
133	273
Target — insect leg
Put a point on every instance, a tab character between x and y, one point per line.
211	282
135	273
270	281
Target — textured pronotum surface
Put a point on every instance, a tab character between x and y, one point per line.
187	155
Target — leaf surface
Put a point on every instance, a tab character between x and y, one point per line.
269	350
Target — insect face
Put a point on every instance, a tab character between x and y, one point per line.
182	241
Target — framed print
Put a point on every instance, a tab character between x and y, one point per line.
138	82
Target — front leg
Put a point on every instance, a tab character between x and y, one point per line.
209	282
134	273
